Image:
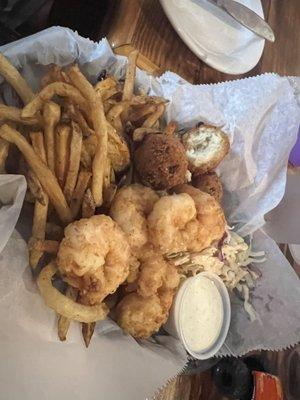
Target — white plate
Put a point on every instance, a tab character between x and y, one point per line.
214	36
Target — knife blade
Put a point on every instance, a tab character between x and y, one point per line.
247	18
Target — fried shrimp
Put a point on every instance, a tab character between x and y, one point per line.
209	212
187	221
143	312
172	222
94	255
156	276
130	208
140	316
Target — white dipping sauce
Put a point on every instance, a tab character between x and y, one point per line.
201	314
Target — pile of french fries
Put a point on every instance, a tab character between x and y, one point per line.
73	141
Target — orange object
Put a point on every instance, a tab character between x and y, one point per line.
267	387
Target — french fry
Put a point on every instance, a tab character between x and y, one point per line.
90	144
54	231
81	121
110	93
117	124
54	74
112	176
141	112
4	147
86	157
142	62
87	332
144	107
109	194
51	116
76	115
108	104
139	133
157	125
105	85
46	94
107	176
74	161
88	205
144	99
40	210
114	115
77	197
170	128
87	329
63	323
117	150
29	198
35	188
100	128
43	246
8	113
62	152
43	173
107	88
154	117
130	76
13	77
65	118
48	77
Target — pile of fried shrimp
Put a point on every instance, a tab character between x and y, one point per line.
95	227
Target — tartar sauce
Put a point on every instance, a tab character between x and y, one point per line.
201	314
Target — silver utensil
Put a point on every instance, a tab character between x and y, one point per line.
246	17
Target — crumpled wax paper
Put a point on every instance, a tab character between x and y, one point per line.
12	193
261	117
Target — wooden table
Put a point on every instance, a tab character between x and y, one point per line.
143	24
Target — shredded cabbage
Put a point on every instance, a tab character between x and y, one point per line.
230	261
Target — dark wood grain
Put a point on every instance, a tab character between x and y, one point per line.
284	56
191	387
143	24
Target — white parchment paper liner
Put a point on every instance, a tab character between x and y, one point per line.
261	117
12	193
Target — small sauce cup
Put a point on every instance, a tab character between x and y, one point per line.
219	310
